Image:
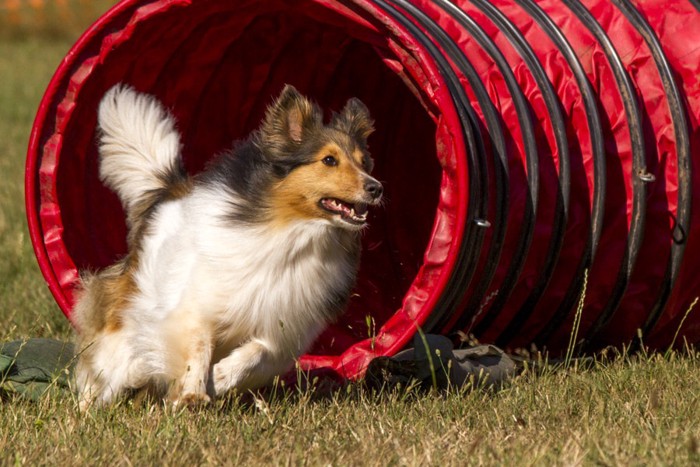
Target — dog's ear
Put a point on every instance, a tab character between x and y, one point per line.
289	119
354	120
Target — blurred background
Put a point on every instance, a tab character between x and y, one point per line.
35	35
50	18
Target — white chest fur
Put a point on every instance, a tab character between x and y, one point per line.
280	284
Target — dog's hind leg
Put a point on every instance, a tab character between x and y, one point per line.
249	366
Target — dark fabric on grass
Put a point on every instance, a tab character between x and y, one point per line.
433	362
31	367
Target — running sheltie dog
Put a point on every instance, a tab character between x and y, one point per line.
231	274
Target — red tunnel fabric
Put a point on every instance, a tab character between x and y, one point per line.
506	140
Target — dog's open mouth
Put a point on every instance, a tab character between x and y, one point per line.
352	213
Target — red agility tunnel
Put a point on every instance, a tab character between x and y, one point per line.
530	151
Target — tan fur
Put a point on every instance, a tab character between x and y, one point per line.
178	190
137	220
297	196
289	118
191	342
357	157
100	312
109	293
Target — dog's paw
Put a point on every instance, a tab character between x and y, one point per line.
222	379
191	400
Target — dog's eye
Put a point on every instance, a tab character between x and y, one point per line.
330	161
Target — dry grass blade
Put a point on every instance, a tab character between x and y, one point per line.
680	325
571	347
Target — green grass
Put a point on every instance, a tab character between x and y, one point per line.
26	65
641	410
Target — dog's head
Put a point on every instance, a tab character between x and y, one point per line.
323	170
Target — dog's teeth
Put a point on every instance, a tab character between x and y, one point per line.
357	213
358	217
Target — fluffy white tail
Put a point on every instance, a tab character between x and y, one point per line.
139	148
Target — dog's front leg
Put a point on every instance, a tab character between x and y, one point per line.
249	366
191	388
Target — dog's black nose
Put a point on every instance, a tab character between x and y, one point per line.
374	188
